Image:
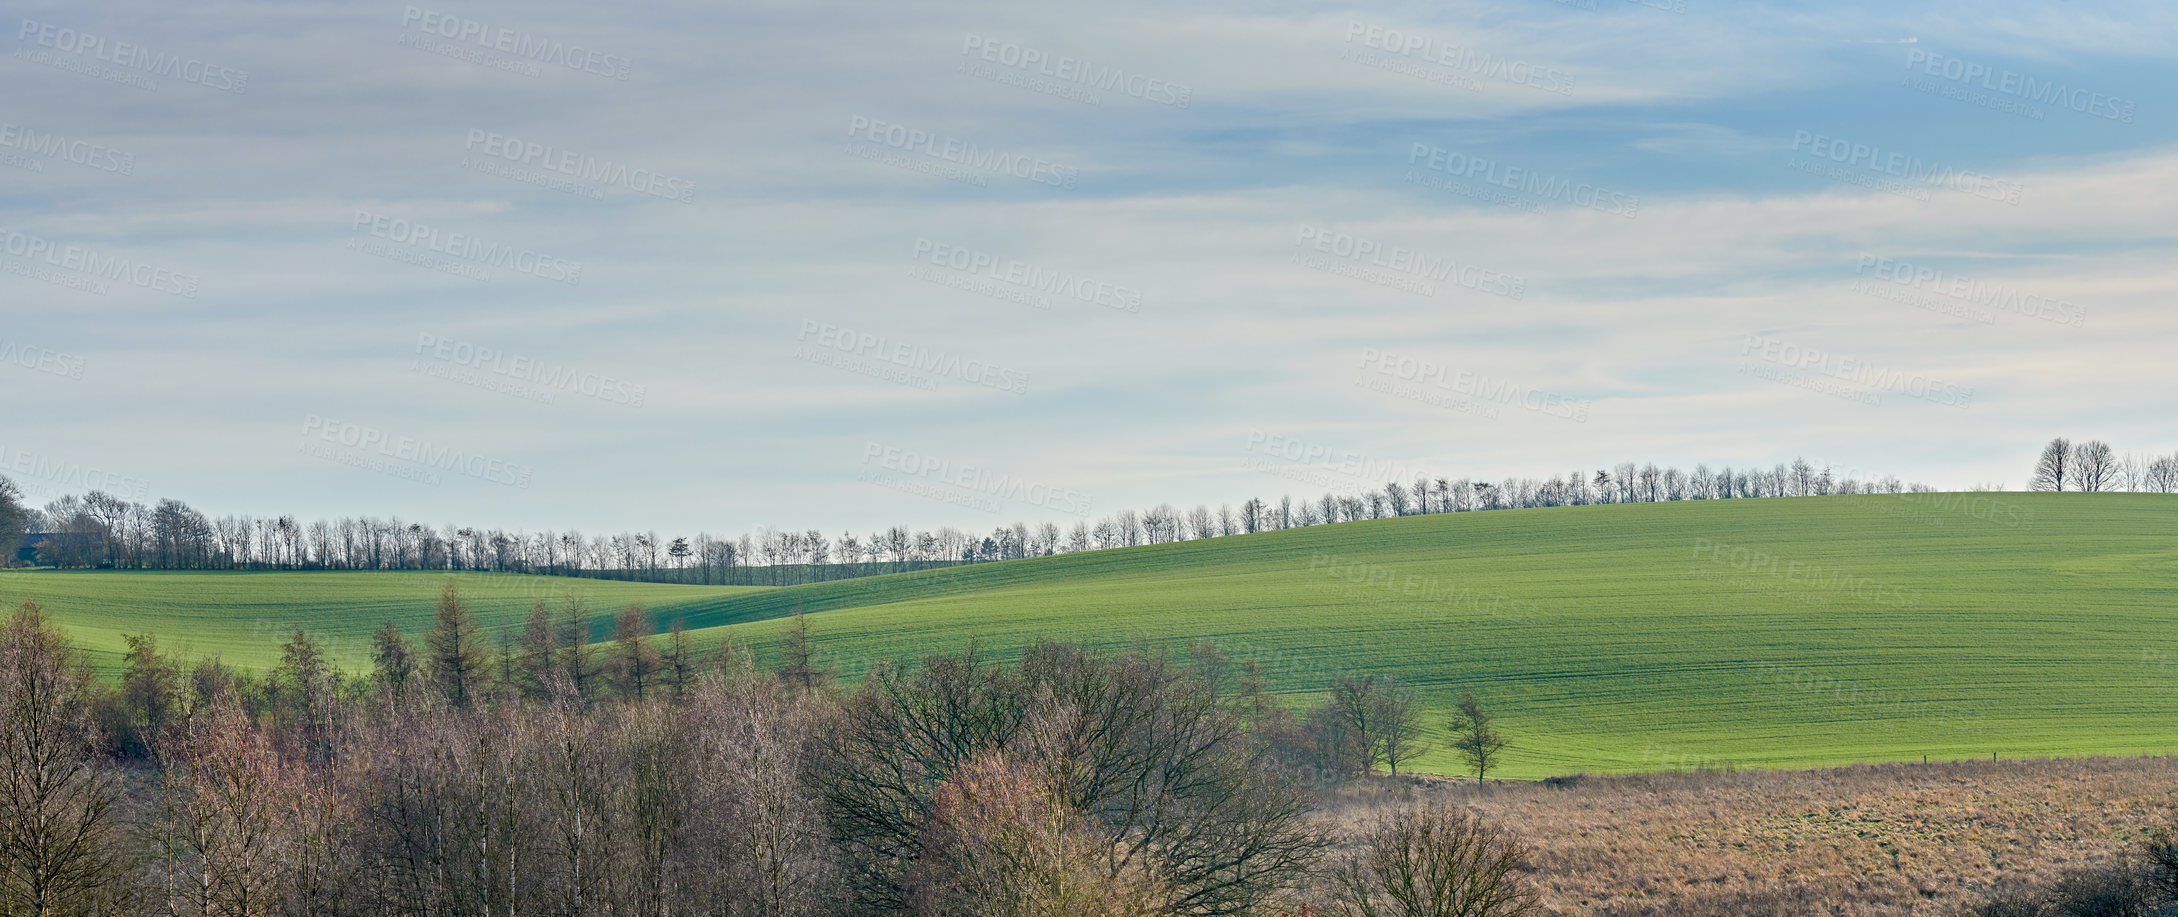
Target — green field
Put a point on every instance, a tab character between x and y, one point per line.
244	617
1760	633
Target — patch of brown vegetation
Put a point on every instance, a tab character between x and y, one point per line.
1862	841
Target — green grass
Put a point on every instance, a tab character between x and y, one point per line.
244	617
1623	638
1607	638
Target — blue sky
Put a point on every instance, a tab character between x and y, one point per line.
674	272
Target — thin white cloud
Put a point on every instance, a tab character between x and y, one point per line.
1197	209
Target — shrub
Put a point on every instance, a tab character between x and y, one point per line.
2124	889
1002	844
1162	772
1431	860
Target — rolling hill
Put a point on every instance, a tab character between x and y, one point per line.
1758	633
244	617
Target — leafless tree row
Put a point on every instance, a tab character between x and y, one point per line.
2093	466
101	530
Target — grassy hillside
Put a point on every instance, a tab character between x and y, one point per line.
243	617
1766	633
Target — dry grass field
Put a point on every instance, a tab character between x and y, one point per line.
1861	841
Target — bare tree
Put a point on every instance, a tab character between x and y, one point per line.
2161	475
58	850
1475	738
634	660
2094	466
1381	718
575	656
1201	524
1398	722
766	851
1397	498
677	662
1333	745
1433	860
540	654
798	658
1003	844
2129	473
15	519
2053	470
1148	751
1354	704
150	695
226	803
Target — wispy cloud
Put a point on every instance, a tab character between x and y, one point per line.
1636	168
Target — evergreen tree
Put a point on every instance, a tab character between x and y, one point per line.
456	648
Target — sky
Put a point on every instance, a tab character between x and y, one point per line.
848	265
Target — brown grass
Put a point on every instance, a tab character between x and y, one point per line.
1861	841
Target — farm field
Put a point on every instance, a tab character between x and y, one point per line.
1758	633
1771	633
1880	840
244	617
